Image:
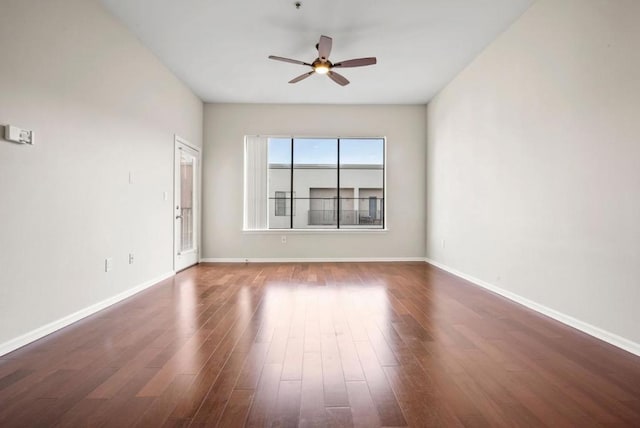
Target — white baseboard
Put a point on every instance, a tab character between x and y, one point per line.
47	329
587	328
310	259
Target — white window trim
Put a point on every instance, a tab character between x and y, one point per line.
319	230
310	231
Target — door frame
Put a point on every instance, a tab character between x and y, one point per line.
179	143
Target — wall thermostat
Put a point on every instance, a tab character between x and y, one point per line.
18	135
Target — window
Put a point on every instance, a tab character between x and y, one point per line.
282	203
314	183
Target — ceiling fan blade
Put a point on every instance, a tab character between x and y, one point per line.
301	77
338	78
359	62
324	47
292	61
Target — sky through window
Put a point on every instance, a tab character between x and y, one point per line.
323	151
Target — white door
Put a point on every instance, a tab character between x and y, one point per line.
187	205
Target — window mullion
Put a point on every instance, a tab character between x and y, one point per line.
291	190
338	190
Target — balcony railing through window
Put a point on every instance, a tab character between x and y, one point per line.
328	211
347	217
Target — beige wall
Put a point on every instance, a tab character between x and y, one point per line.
101	105
225	128
533	165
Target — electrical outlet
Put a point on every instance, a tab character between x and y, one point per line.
108	264
283	239
130	258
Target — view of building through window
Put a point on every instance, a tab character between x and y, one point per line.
325	183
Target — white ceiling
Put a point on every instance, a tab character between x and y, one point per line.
219	48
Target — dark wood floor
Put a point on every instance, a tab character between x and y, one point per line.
361	344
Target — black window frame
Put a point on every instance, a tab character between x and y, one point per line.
383	205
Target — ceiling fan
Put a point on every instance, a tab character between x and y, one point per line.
322	65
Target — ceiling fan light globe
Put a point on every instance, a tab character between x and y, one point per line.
321	69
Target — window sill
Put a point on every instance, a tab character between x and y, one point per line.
311	231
